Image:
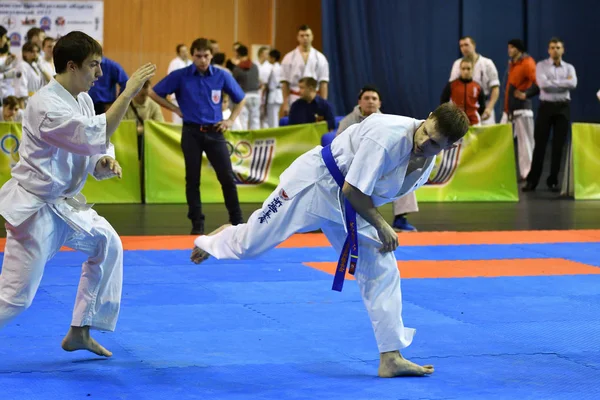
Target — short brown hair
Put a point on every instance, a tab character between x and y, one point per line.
468	37
309	82
10	102
556	40
201	44
466	60
74	46
451	121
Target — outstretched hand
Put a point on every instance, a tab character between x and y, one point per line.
139	77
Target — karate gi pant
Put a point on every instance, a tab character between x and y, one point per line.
406	204
377	274
523	126
33	243
273	115
250	114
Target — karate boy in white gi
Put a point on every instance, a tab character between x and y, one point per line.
372	163
62	143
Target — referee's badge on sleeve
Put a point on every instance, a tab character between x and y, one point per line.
216	96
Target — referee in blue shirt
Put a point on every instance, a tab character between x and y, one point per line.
104	91
198	91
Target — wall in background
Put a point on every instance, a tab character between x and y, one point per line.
140	31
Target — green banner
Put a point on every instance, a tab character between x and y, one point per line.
115	190
126	190
10	138
586	160
481	168
258	158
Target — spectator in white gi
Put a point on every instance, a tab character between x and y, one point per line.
8	64
369	102
46	62
304	61
264	71
484	73
181	61
273	95
32	78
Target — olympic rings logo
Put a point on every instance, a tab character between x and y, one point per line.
10	146
238	153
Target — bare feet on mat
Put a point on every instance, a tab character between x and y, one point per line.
78	338
199	255
392	364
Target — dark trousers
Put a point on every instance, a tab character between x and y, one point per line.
555	116
193	143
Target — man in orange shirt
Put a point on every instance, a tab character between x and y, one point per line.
520	87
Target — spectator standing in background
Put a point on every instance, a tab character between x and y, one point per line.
304	61
181	61
273	95
520	87
466	94
484	73
555	78
247	76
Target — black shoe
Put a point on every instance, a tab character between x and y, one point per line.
197	228
554	188
529	187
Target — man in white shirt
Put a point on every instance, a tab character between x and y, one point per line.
62	143
46	62
32	78
181	61
555	78
273	94
484	73
10	111
304	61
338	188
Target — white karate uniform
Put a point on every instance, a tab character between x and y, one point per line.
486	75
293	69
264	72
175	64
7	86
30	82
274	97
47	66
373	156
61	144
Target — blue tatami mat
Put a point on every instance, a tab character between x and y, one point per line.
271	328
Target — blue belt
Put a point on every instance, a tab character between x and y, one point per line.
351	244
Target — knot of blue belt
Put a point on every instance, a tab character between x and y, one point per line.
350	249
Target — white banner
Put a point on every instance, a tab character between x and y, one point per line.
56	18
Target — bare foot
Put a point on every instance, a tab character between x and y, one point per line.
78	338
199	255
392	364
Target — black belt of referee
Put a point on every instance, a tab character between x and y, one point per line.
561	102
202	128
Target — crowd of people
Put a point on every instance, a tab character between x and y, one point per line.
238	93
